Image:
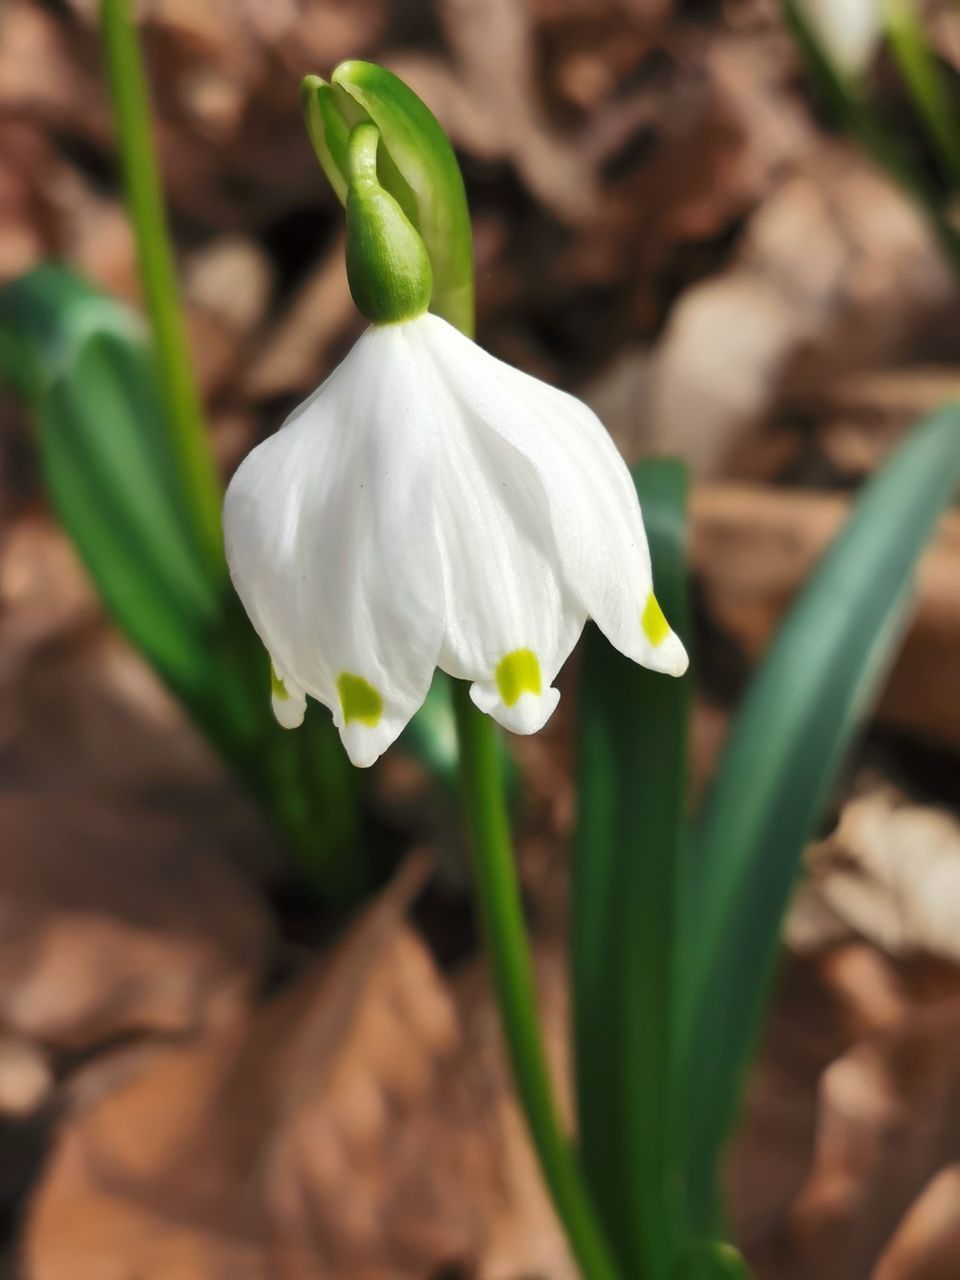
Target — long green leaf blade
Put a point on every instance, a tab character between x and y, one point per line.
824	671
632	738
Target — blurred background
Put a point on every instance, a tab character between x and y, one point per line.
202	1075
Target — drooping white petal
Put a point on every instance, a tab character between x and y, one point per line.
510	625
589	501
849	30
329	536
288	701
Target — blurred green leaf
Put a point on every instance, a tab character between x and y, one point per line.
80	360
927	86
632	739
861	117
710	1260
824	670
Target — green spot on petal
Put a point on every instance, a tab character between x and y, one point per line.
359	700
517	673
655	626
277	687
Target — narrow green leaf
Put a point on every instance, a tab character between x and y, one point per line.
823	673
632	738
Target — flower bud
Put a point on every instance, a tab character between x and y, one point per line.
416	166
387	263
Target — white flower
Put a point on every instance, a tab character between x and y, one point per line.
848	30
430	506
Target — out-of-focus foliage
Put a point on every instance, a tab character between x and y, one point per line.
676	936
81	361
777	772
629	844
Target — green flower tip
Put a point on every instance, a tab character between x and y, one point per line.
308	90
351	69
387	262
328	130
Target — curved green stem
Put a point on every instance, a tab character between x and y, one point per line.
501	914
128	91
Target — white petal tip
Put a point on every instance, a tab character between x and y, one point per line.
365	743
289	709
668	657
362	754
660	649
528	714
672	657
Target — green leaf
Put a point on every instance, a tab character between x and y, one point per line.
822	675
632	738
80	360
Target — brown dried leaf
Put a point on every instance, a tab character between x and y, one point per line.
352	1128
889	1120
115	922
299	352
836	270
754	547
890	873
926	1245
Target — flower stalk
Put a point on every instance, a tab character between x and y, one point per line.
128	91
498	898
501	916
417	166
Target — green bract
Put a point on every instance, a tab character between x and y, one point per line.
415	164
387	264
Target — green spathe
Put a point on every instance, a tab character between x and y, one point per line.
416	165
387	263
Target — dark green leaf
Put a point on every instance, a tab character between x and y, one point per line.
632	738
821	677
